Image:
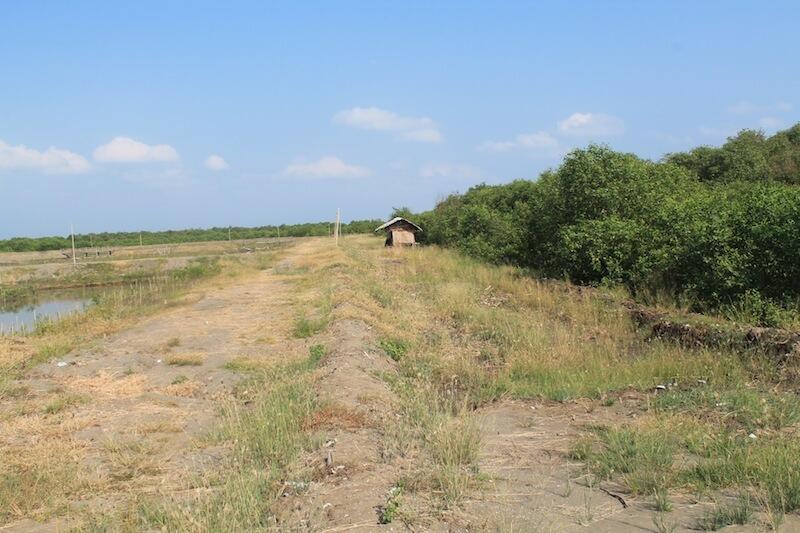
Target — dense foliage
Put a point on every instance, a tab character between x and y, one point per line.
717	227
26	244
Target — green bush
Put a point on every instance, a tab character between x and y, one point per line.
715	226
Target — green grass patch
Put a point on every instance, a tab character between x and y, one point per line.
394	348
739	512
769	465
643	460
747	408
305	327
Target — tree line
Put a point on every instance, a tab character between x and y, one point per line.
105	240
714	228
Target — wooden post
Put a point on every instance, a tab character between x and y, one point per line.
72	232
336	230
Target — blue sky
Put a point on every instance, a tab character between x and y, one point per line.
157	115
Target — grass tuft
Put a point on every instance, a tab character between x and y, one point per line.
394	348
305	327
739	512
64	401
185	360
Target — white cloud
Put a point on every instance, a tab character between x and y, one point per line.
127	150
51	161
744	107
215	162
418	129
591	124
449	170
539	142
771	123
326	167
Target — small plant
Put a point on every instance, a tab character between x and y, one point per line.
390	511
454	447
316	353
394	348
582	450
567	488
661	500
588	507
661	524
739	512
180	379
173	342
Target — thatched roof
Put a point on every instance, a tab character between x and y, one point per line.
394	221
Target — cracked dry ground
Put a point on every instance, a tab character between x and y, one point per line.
140	426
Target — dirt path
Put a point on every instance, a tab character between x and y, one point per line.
137	403
351	479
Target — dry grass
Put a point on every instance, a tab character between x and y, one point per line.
471	333
185	360
335	416
38	476
131	460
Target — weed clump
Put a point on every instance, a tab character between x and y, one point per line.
394	348
305	327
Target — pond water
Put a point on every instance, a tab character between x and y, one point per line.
19	317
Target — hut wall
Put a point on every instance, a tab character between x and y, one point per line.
402	237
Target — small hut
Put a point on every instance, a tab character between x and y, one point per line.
399	232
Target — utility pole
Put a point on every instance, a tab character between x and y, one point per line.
229	233
72	232
336	231
140	238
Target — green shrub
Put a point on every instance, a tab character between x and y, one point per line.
716	227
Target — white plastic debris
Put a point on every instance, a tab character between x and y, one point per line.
158	361
752	436
62	364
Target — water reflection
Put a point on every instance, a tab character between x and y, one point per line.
19	316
